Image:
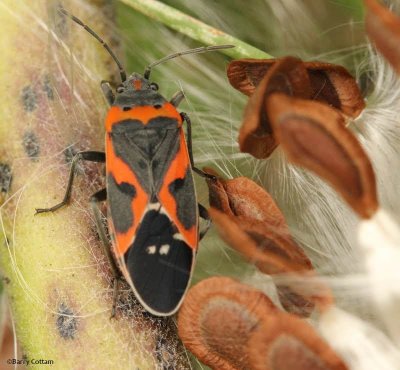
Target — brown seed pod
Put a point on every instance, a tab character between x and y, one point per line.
231	326
287	75
285	342
274	254
334	85
270	254
314	136
383	28
250	222
330	83
245	74
218	197
249	205
217	319
243	197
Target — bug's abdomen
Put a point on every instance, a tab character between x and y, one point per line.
159	263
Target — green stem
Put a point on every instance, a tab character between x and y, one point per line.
56	277
355	7
194	28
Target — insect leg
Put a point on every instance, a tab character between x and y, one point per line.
107	91
186	118
101	196
86	156
177	98
203	213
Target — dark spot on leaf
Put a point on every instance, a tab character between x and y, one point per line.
67	323
5	177
31	145
29	99
47	87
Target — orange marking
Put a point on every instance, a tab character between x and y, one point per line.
137	84
176	170
143	114
123	173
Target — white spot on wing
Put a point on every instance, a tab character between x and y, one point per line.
157	207
178	236
164	249
152	249
154	206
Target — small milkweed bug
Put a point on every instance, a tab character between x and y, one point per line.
153	215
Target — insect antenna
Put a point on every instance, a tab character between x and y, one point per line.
98	38
202	49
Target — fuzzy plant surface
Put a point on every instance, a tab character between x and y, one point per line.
56	277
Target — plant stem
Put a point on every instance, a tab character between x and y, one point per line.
57	279
195	29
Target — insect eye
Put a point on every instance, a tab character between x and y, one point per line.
154	86
120	89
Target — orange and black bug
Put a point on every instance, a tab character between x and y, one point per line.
153	215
